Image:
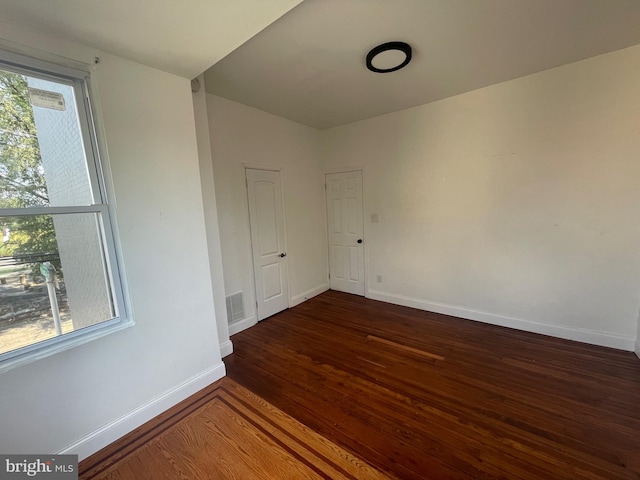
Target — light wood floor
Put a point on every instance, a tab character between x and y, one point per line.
225	432
380	390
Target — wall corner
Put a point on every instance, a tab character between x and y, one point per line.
210	213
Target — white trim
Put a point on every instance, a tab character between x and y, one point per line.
252	166
638	346
365	228
344	169
112	431
226	348
245	168
285	235
109	197
247	223
29	63
298	299
44	56
240	325
365	232
38	351
30	211
82	81
581	335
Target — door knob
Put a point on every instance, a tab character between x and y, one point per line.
282	255
359	240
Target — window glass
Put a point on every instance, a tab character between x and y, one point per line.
42	156
58	275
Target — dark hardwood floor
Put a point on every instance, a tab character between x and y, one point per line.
426	396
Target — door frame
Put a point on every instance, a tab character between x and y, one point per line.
365	228
270	168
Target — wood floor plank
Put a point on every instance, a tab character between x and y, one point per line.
503	404
387	419
304	441
333	418
110	455
438	398
417	351
226	432
248	448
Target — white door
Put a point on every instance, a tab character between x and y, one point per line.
346	249
266	217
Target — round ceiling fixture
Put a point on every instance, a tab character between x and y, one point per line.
389	57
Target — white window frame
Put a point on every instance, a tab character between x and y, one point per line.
80	81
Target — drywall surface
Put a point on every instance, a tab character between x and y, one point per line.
243	135
637	346
211	216
513	204
81	399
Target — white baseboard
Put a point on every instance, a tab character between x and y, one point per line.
226	348
237	327
109	433
298	299
580	335
638	345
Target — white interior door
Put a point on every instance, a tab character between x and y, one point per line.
346	249
266	216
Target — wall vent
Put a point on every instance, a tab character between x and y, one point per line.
235	307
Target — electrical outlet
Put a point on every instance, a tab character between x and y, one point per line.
379	278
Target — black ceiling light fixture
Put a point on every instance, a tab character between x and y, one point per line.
389	57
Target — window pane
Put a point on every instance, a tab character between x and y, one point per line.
51	266
42	156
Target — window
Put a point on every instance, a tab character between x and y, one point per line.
59	279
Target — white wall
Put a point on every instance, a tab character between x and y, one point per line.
637	347
241	134
123	379
216	268
514	204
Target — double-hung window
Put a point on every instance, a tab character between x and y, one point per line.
59	278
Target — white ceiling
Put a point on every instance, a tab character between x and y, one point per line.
308	66
184	37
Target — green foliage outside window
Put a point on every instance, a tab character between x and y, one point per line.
22	181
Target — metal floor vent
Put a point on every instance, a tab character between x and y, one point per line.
235	307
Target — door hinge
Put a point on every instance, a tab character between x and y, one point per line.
325	187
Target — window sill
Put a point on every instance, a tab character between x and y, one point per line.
40	351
